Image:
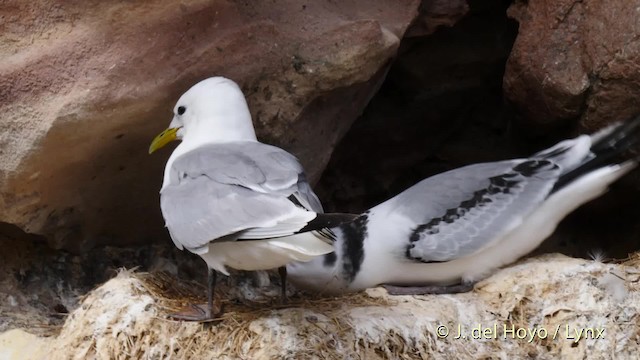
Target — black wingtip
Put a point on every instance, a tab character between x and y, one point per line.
607	150
621	138
327	221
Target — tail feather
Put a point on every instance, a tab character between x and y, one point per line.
321	226
328	221
608	146
616	137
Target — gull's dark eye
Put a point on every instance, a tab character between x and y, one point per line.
181	110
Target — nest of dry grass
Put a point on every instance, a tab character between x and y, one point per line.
234	325
173	294
126	319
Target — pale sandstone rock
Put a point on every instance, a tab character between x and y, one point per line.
17	344
86	86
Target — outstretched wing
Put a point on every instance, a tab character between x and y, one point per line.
463	211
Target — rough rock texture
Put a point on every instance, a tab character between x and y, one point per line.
39	286
86	86
575	59
440	107
435	14
124	319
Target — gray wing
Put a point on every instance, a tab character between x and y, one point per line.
306	196
463	211
238	188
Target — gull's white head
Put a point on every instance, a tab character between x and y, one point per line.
211	111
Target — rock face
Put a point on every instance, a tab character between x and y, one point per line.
575	60
435	14
439	108
442	106
529	310
86	86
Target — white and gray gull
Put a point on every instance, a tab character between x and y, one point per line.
449	231
231	199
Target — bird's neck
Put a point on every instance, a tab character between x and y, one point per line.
219	129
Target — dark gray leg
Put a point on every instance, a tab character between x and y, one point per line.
283	284
211	286
433	289
201	313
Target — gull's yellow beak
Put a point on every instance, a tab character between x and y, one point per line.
163	139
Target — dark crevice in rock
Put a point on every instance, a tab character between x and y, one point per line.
442	106
39	284
12	231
